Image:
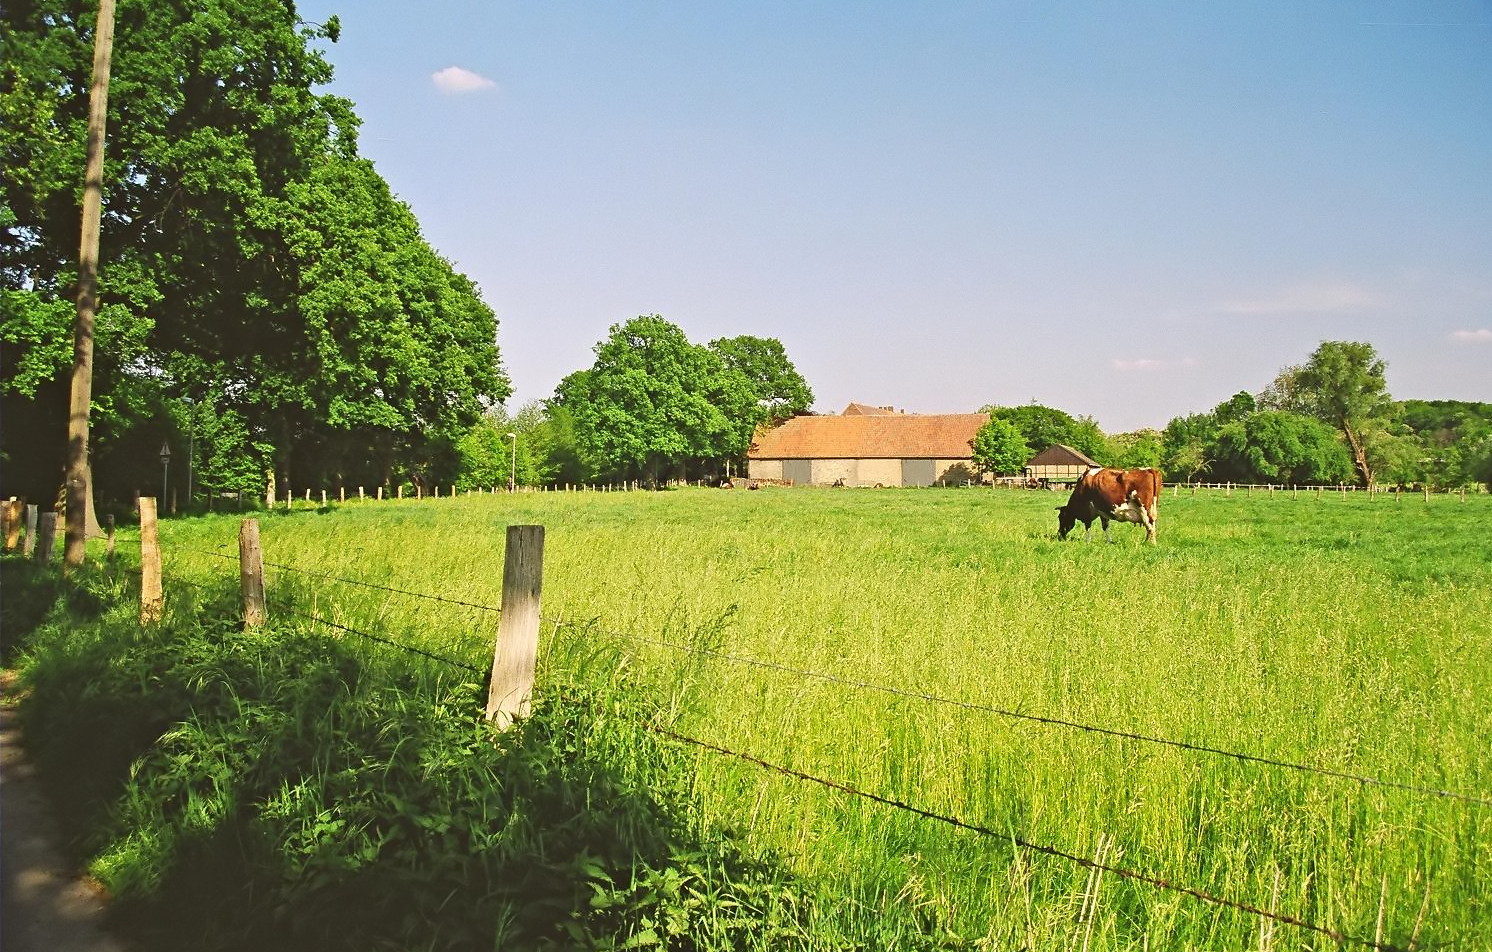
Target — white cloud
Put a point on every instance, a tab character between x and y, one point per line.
1479	336
1321	297
1146	364
455	81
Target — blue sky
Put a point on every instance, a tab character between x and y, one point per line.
1129	210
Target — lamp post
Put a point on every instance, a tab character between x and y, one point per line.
513	464
165	471
191	445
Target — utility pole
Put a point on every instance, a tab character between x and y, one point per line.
79	475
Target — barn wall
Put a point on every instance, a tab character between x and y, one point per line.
861	472
826	471
764	469
956	472
887	472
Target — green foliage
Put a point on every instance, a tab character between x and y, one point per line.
361	801
1276	446
249	260
1042	427
775	390
1000	449
653	401
1346	384
1137	450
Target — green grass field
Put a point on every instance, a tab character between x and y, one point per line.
1343	633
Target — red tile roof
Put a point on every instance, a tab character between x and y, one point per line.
898	436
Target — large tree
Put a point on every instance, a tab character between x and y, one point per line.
1042	427
251	263
999	448
768	388
651	400
1344	381
1277	446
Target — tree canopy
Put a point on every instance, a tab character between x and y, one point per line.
251	263
652	401
999	448
1346	384
1042	427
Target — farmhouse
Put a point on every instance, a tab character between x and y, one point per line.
868	446
1057	464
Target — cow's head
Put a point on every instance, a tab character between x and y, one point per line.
1066	519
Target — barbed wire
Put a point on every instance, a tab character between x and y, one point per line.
310	616
352	581
841	786
1056	721
1120	871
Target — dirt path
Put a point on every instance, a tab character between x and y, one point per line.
45	905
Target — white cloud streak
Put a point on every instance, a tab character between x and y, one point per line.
1149	364
455	81
1323	297
1479	336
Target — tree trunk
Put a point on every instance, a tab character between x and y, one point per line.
1359	455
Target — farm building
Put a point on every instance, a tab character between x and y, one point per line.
1057	464
868	446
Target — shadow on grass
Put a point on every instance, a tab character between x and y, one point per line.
276	789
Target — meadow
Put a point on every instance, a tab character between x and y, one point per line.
920	646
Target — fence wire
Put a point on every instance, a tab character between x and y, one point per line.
1120	871
352	581
310	616
1056	721
843	787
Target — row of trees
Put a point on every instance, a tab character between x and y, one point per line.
1329	420
265	300
652	406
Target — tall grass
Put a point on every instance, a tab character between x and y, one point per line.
1341	632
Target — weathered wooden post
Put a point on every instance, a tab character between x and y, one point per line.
380	494
152	602
323	499
341	494
109	552
360	494
14	510
251	573
46	536
517	648
29	548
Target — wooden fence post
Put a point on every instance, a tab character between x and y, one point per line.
29	547
517	648
251	573
109	553
152	602
46	536
14	510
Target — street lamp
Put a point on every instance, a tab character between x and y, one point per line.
513	464
191	445
165	471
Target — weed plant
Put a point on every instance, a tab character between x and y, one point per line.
1337	632
280	789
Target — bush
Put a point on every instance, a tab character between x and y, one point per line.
282	790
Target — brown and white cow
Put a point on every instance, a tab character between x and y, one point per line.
1122	495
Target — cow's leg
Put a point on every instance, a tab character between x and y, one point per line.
1106	535
1147	518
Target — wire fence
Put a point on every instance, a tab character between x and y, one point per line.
1010	836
